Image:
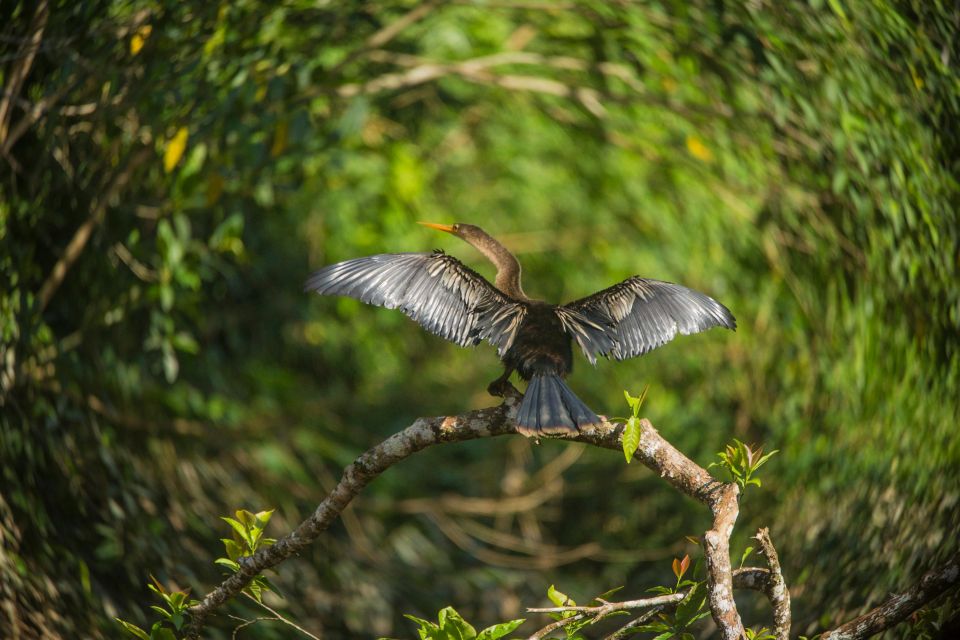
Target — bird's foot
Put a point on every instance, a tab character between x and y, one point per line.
502	388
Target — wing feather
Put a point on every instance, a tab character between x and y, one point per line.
439	292
639	315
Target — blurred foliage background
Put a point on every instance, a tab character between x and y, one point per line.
170	172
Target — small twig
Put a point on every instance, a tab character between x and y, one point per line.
246	623
387	33
898	607
609	607
628	629
553	626
280	618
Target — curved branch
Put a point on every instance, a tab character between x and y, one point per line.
653	451
898	607
776	590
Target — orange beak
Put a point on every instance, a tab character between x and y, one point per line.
439	227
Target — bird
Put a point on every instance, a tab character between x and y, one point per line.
532	337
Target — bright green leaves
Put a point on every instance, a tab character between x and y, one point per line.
172	613
631	429
499	630
450	625
759	634
741	462
573	627
246	541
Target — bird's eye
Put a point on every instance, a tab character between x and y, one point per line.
456	227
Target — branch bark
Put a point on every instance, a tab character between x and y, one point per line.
898	607
776	588
653	451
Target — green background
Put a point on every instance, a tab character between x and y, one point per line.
796	161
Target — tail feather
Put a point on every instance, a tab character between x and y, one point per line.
550	408
525	414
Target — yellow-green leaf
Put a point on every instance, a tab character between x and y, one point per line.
631	437
559	599
280	135
175	149
139	38
698	149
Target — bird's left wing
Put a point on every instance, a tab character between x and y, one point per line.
639	315
438	291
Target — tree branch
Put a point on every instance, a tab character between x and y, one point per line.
21	68
776	588
607	608
82	235
653	451
898	607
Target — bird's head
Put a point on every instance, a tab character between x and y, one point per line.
463	231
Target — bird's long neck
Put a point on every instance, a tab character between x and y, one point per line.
508	268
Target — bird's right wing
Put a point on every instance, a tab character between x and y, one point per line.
438	291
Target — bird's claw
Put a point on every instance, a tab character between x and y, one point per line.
501	388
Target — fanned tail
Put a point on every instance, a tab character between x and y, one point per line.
550	408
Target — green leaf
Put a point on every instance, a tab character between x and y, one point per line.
247	518
162	633
690	606
177	620
631	437
499	630
560	599
160	610
455	626
133	629
228	563
427	629
746	553
653	627
232	548
238	527
606	594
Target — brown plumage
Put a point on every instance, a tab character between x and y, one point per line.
532	337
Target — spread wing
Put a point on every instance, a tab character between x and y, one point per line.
442	294
639	315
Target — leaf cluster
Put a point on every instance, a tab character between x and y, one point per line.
247	539
742	461
450	625
172	612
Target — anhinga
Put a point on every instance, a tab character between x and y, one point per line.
532	337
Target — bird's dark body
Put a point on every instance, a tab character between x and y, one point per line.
541	345
532	337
